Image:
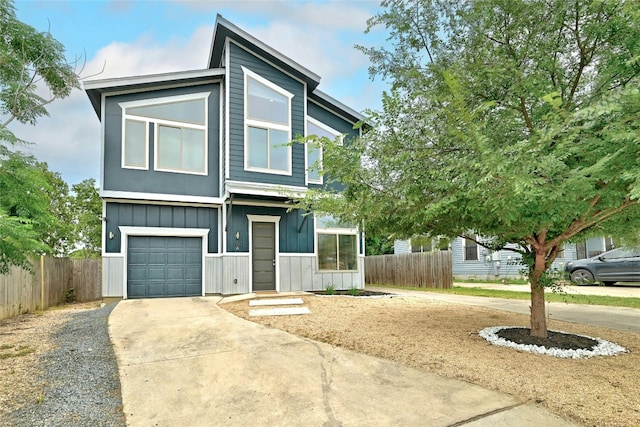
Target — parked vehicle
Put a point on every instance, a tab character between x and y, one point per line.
617	265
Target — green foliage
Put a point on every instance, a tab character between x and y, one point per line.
378	245
87	208
353	291
33	200
513	120
330	290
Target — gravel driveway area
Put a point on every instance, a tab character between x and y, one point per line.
74	382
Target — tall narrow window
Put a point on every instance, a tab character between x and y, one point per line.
470	249
180	133
314	151
267	126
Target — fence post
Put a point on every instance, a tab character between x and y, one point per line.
41	282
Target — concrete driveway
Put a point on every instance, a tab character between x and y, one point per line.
187	362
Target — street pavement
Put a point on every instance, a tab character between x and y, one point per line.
620	318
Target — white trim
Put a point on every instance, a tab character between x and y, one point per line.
276	221
157	122
340	116
296	254
334	231
266	125
261	189
111	194
221	137
151	78
163	203
227	60
126	232
274	65
325	128
261	203
123	162
103	103
104	228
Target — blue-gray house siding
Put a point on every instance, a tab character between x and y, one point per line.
117	178
239	57
149	215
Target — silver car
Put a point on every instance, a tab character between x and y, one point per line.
618	265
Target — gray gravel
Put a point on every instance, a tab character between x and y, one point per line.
82	386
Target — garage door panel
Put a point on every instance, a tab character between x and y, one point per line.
164	266
175	258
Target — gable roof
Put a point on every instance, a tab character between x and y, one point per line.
225	29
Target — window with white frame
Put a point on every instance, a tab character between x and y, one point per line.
267	125
313	152
180	133
337	245
470	248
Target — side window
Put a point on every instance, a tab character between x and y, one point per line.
267	125
470	249
179	126
313	153
337	245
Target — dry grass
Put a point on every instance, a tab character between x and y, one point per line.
442	338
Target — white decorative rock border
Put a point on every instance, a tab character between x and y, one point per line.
603	348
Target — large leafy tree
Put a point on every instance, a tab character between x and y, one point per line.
33	73
517	120
87	208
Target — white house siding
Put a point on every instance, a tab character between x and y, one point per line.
300	273
235	274
112	276
213	274
486	267
402	247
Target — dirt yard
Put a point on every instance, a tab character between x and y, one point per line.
442	338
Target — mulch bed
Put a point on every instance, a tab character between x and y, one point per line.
554	340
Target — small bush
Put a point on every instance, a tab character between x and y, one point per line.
330	290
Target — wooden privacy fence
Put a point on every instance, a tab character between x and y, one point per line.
423	270
53	281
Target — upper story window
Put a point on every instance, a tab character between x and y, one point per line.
179	126
267	125
313	153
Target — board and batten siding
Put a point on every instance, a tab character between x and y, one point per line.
239	57
213	274
112	276
235	274
117	178
295	232
300	273
149	215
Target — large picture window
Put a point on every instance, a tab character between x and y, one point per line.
313	153
179	126
337	245
267	126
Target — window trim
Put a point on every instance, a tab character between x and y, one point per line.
123	163
326	128
336	232
464	250
264	124
156	122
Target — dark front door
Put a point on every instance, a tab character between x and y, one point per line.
263	250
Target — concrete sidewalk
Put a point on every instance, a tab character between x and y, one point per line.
620	318
187	362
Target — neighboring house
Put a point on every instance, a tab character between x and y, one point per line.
197	177
471	260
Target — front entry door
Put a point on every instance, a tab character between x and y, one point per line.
263	250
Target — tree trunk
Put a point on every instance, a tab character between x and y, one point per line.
538	311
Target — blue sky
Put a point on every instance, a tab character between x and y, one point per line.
126	38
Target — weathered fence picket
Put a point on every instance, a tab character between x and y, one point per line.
423	270
51	282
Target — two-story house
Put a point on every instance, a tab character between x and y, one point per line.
197	176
